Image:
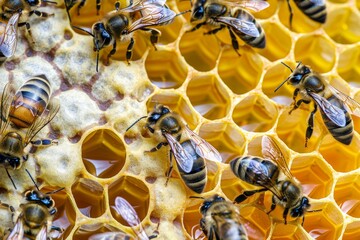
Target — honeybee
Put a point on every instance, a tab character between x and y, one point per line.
221	220
128	213
9	38
188	149
35	215
120	24
232	15
29	107
287	192
314	9
334	105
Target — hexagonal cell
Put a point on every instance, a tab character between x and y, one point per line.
208	96
268	12
300	22
191	218
170	32
225	137
165	69
84	232
317	51
291	129
341	157
65	216
89	197
352	231
289	231
201	54
134	191
273	77
314	174
177	104
256	222
240	73
326	224
347	194
278	43
254	113
341	25
348	66
103	153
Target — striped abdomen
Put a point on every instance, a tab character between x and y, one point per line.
313	11
30	101
257	42
197	177
231	230
342	134
255	170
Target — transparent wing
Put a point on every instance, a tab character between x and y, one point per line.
17	233
182	157
110	236
141	4
9	41
253	5
243	26
335	114
271	150
41	121
202	147
318	2
352	104
42	235
6	99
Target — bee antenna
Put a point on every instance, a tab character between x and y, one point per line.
135	122
97	60
32	179
285	79
55	191
84	30
45	1
316	210
12	181
181	13
197	197
288	66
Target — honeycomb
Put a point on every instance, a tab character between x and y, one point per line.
96	160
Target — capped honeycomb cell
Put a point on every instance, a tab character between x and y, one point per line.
165	69
347	194
103	153
314	174
208	96
89	197
240	73
225	137
134	191
254	113
84	232
342	25
317	51
352	230
198	55
348	66
289	231
256	222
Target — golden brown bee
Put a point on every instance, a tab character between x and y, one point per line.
233	16
221	220
9	38
314	9
120	24
29	108
188	149
287	192
334	105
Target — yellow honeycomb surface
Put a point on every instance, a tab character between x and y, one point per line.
227	99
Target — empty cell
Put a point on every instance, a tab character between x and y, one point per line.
349	66
84	232
255	114
256	222
288	232
165	69
240	73
191	218
352	230
103	153
208	96
170	32
347	195
267	12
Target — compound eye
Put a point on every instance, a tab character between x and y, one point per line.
306	70
297	77
33	2
199	13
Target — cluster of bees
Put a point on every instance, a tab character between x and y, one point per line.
31	107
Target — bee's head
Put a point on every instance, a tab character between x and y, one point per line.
40	198
303	206
157	113
33	3
209	202
102	37
198	11
298	74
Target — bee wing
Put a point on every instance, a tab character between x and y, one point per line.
272	151
110	236
202	147
6	99
17	233
352	104
241	25
9	41
253	5
335	114
182	157
42	235
42	120
318	2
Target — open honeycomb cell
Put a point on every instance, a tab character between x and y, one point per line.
347	195
348	67
86	231
352	230
289	231
256	222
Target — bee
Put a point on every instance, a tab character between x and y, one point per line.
232	15
334	105
287	192
221	220
188	149
128	213
120	24
27	108
314	9
9	38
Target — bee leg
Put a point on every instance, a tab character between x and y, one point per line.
154	37
155	234
25	157
273	205
27	25
296	92
214	31
196	27
169	171
41	14
285	213
58	229
81	4
129	50
158	147
310	128
247	194
98	5
234	41
117	5
112	52
291	13
43	142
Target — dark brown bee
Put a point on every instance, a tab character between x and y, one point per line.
314	9
287	192
334	105
188	149
221	220
233	16
9	38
